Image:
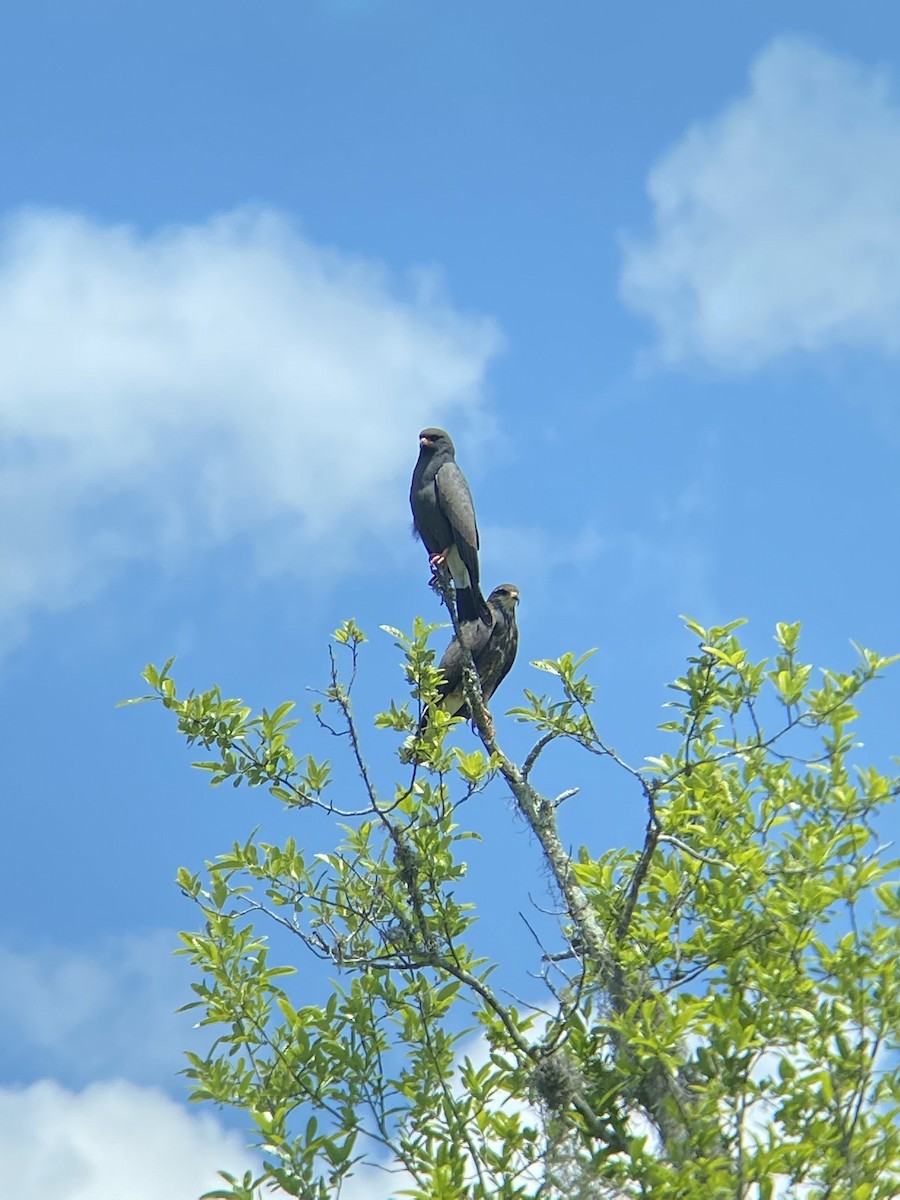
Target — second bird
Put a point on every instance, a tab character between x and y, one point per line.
444	518
493	652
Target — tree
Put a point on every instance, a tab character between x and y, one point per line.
721	1010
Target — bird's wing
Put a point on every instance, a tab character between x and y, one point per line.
476	636
455	501
504	644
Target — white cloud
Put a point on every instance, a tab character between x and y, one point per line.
777	222
112	1140
166	392
76	1014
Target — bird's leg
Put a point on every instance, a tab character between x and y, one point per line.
438	560
440	574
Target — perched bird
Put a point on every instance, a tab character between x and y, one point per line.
444	518
493	651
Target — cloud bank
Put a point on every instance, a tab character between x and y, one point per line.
110	1141
166	392
777	222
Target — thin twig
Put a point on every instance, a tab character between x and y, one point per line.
686	849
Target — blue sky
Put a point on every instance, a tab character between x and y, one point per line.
642	261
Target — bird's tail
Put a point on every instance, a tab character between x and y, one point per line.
471	605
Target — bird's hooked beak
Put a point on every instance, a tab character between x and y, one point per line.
426	442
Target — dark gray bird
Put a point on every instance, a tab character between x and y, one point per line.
493	651
444	518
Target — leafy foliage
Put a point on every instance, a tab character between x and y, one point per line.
721	1014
